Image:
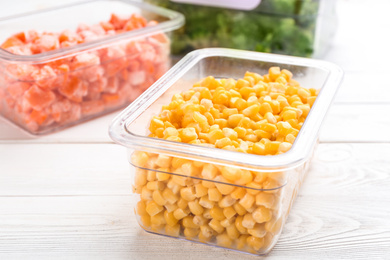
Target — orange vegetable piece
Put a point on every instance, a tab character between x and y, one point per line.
38	98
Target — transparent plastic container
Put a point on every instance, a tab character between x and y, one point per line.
68	83
186	180
293	27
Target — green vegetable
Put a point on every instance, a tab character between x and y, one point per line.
277	26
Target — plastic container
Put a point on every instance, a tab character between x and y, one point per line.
292	27
158	164
47	91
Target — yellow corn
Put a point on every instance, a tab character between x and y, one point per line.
206	203
229	212
158	198
195	207
214	195
216	225
262	214
248	221
152	208
224	240
173	231
217	213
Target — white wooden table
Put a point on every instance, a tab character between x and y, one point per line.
68	195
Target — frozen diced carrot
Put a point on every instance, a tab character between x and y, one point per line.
69	36
92	107
11	42
17	89
38	98
133	65
137	77
107	26
85	59
44	77
112	85
21	71
72	115
111	99
74	89
117	22
38	116
58	108
47	42
147	52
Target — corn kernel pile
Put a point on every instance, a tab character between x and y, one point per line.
258	115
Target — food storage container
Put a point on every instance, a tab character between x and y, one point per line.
180	190
292	27
62	66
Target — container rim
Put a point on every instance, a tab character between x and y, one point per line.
297	155
175	20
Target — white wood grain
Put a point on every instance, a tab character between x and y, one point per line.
341	213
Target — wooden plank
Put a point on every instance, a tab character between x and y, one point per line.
341	213
357	123
63	169
362	88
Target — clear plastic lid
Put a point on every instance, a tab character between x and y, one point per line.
130	127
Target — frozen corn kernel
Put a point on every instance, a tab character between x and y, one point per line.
247	201
262	214
200	190
226	201
206	202
179	213
216	225
206	231
232	232
258	231
265	199
191	232
239	226
239	209
139	158
158	198
195	207
217	213
255	242
188	193
173	231
152	208
141	208
227	222
229	212
223	188
214	195
155	185
248	221
169	196
224	240
199	220
140	177
238	193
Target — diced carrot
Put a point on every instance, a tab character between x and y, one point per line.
17	89
38	116
74	89
110	99
10	42
92	107
38	98
107	26
117	22
44	77
112	85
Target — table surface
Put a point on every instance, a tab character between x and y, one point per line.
68	194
